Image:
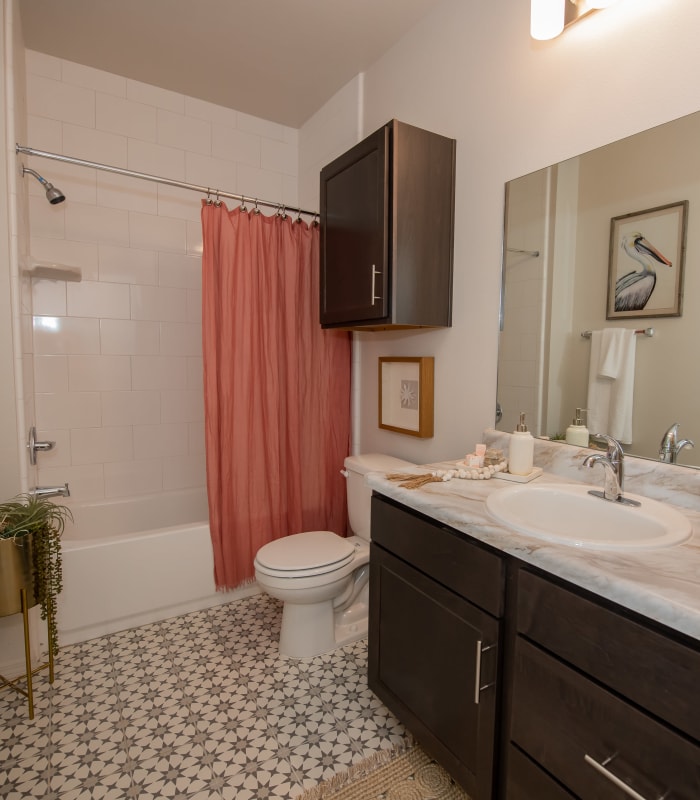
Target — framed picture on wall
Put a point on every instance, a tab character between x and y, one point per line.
406	395
647	258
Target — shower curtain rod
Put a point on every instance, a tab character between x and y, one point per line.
208	190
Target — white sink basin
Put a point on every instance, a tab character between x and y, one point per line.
568	514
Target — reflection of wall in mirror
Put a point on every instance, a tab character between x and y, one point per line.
644	171
522	351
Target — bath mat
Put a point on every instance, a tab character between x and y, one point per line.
390	775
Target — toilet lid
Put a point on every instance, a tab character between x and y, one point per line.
309	553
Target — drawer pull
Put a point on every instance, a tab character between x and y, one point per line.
375	272
478	688
606	773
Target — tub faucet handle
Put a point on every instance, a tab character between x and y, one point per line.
35	446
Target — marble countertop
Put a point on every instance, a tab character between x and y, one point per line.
662	584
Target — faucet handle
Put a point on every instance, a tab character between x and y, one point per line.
614	448
669	438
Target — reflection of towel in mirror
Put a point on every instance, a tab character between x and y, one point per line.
611	383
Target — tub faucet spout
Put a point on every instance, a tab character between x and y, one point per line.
50	491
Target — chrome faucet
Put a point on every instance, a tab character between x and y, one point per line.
614	464
50	491
671	445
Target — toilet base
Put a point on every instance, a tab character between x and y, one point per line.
352	624
310	630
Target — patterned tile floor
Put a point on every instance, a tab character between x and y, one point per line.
200	706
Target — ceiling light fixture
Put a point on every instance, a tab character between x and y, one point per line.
548	18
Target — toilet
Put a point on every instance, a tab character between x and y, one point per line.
321	577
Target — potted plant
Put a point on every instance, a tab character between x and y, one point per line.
30	556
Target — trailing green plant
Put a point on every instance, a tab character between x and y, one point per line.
25	515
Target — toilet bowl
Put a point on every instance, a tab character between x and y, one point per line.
322	578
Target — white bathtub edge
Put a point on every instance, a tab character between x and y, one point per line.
77	635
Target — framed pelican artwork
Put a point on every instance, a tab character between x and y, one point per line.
647	257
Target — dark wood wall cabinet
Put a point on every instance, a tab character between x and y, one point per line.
387	232
521	685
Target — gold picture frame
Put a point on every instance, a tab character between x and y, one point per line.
406	387
647	259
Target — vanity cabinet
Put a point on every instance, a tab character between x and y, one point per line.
436	600
522	685
387	231
603	705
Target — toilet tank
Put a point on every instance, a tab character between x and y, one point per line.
359	494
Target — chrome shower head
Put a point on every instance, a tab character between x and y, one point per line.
53	195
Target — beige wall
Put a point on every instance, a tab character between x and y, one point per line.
16	387
514	105
15	355
522	340
618	180
9	466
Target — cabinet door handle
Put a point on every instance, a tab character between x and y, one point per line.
375	272
478	688
601	766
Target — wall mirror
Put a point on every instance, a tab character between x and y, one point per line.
557	257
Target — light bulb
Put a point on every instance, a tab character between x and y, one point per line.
546	18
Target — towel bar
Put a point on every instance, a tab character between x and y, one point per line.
646	331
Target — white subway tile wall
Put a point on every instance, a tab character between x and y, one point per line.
118	361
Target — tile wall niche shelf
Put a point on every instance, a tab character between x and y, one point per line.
53	272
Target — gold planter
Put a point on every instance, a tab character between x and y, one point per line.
16	573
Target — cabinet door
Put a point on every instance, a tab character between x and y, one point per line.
433	660
354	234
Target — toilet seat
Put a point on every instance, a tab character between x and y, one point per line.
304	555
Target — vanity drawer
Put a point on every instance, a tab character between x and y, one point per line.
442	554
651	669
526	781
587	738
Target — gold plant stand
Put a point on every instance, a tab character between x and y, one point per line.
29	673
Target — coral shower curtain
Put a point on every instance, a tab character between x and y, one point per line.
276	388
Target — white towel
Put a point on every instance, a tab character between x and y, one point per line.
611	383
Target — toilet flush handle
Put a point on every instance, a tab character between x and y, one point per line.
344	473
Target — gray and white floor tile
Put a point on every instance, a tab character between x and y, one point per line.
201	706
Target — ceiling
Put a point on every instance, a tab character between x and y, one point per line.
276	59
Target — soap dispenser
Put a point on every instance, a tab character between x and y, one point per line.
522	446
577	432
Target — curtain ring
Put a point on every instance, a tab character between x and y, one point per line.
315	221
256	210
218	201
209	200
298	219
243	207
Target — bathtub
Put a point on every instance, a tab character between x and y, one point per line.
132	561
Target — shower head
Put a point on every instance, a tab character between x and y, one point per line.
53	195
